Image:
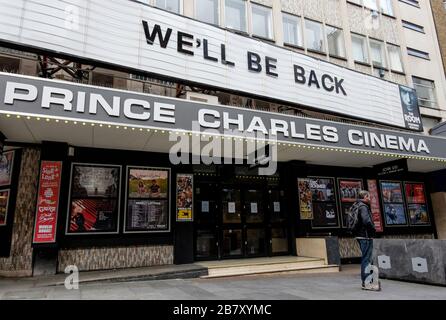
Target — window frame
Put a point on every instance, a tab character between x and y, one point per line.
300	40
217	15
367	53
322	36
180	6
245	31
271	16
344	56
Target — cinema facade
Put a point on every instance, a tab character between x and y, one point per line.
104	177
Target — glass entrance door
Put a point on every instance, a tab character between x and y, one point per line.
240	220
254	222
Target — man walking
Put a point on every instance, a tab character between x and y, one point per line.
365	231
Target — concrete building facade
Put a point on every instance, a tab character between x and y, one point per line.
96	91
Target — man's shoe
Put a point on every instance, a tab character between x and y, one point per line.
372	287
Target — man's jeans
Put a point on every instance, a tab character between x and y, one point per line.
366	246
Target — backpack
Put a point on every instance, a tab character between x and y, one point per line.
352	221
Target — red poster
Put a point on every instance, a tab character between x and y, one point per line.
47	202
372	186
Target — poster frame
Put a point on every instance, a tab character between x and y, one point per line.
402	203
338	180
7	206
12	167
168	199
176	200
335	202
58	203
118	215
299	207
426	203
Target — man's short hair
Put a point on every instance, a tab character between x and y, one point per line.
363	194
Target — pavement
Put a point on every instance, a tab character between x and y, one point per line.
323	286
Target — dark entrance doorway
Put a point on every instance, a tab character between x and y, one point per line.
242	217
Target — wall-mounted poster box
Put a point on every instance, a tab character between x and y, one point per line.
393	203
147	200
185	198
94	199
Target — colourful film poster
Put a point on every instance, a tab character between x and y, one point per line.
93	215
184	187
415	193
349	189
6	166
148	183
391	192
4	203
418	214
47	202
395	214
305	199
95	181
372	187
322	189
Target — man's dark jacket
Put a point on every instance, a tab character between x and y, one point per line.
366	227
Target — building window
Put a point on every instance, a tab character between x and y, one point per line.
335	39
412	26
207	11
386	7
314	36
262	25
359	44
377	53
235	14
418	53
396	63
425	92
292	32
170	5
371	4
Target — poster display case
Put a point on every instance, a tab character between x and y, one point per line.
393	203
416	200
147	200
348	194
94	199
323	198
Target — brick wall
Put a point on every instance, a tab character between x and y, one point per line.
103	258
20	261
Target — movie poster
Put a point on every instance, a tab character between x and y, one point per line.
322	189
184	189
305	199
148	183
4	202
94	204
415	193
6	166
147	199
95	181
324	215
418	214
45	223
372	187
147	215
395	214
391	192
93	215
349	189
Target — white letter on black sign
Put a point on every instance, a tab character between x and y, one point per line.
164	112
65	97
129	103
11	94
